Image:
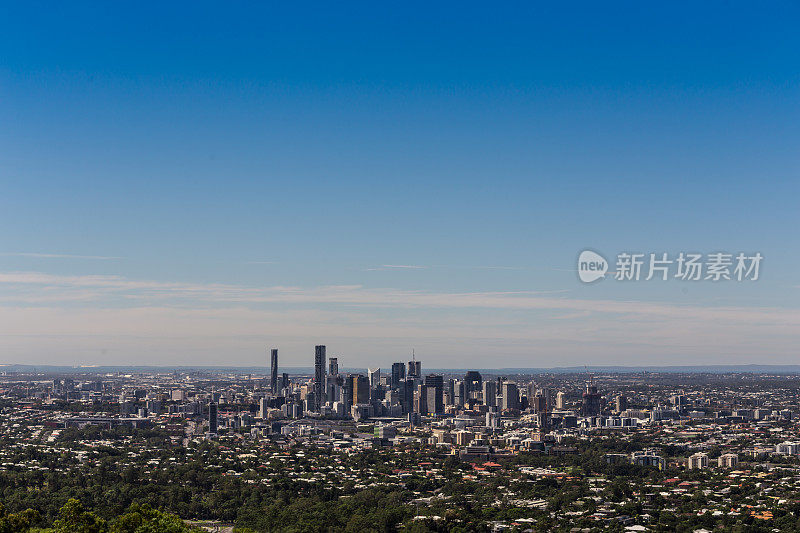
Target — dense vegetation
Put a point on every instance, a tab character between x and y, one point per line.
125	481
73	518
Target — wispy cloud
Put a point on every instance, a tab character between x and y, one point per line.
395	267
54	312
37	255
499	267
411	267
458	267
481	267
39	286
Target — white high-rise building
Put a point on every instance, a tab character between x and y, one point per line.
262	408
374	375
698	461
561	399
788	448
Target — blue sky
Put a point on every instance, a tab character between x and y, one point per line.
194	182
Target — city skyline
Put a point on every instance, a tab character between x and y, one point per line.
413	267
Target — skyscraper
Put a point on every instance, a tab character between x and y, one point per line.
458	393
398	374
561	400
347	393
435	393
539	403
621	403
541	408
472	383
450	392
263	407
434	380
490	393
407	395
333	366
510	395
319	376
414	368
591	405
273	382
374	376
360	389
421	399
434	403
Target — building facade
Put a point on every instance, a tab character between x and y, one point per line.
319	377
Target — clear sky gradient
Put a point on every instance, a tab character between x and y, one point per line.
190	183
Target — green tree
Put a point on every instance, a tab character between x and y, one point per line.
17	522
72	518
143	519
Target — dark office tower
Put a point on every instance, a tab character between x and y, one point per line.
284	380
347	393
621	403
333	366
398	374
539	403
490	393
435	391
319	376
434	380
540	408
591	400
273	382
548	397
377	395
421	400
360	389
450	392
415	369
213	422
510	395
472	383
407	395
332	388
310	402
458	394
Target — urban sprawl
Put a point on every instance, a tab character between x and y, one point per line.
397	449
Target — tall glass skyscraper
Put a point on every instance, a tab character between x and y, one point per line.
273	383
319	376
398	374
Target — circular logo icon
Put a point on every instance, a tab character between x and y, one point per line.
591	266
